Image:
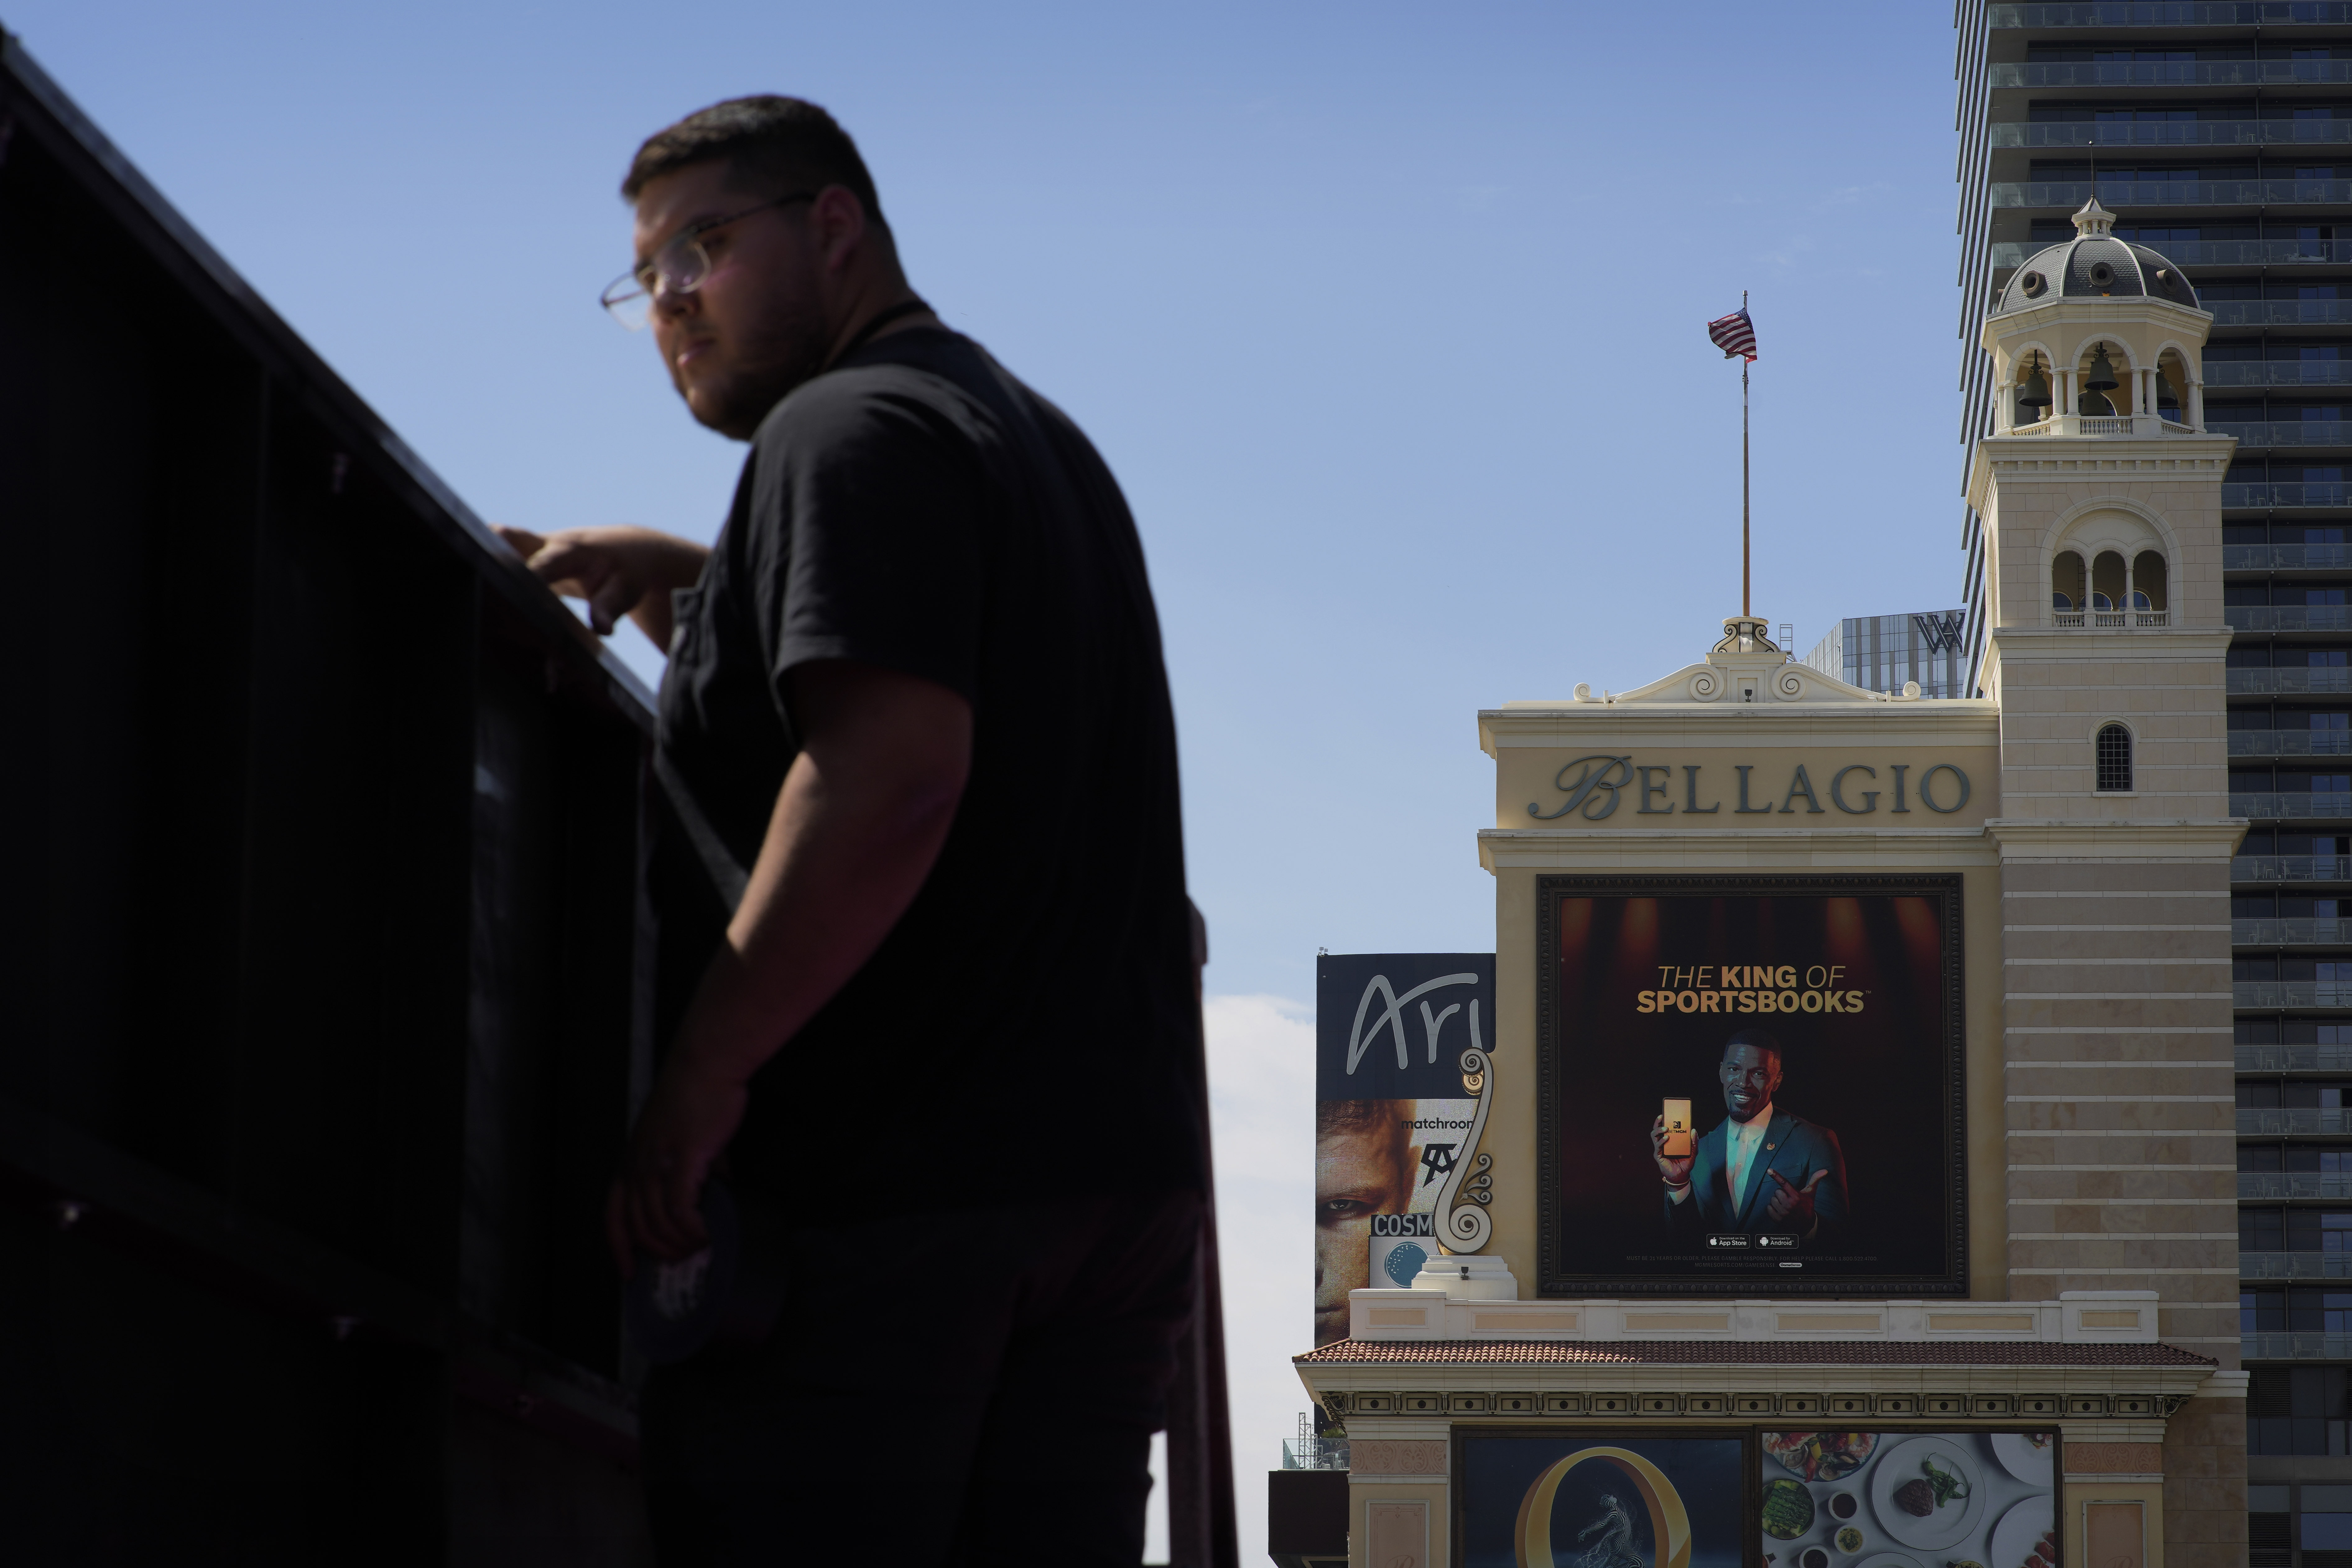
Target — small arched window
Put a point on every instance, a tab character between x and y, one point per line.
2113	749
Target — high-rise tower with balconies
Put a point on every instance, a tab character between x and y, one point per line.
2219	132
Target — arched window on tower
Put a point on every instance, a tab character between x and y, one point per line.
2068	595
2113	749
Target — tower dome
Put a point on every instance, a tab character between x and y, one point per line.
2092	264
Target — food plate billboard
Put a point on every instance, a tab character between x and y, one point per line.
1392	1111
1887	1500
1751	1084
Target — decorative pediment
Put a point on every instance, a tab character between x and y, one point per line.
1747	666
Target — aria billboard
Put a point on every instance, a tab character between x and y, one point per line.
1750	1084
1392	1112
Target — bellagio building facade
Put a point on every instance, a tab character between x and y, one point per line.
1850	1169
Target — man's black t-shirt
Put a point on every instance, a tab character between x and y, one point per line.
1026	1029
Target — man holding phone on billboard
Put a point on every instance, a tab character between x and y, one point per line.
1761	1170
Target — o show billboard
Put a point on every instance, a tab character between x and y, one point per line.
1391	1113
1750	1084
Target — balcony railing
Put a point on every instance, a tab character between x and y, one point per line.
2171	133
2318	805
2277	313
2172	73
2169	13
2283	1184
2279	372
2299	1118
2111	620
2288	1346
2292	932
2262	682
2282	251
2287	867
2287	618
2287	432
1314	1453
2291	744
2295	1058
2290	994
2251	494
2295	1264
2123	195
2289	557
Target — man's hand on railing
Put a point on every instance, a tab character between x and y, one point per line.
619	571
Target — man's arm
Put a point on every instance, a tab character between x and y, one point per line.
619	571
863	814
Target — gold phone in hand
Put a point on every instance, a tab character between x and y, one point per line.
1678	1144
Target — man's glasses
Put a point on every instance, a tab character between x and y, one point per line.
681	266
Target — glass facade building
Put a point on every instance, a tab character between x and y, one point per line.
1879	653
2219	133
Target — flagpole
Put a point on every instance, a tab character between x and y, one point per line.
1744	609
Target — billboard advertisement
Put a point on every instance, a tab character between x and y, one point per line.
1536	1499
1864	1498
1750	1084
1392	1114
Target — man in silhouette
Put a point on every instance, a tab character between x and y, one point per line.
1761	1170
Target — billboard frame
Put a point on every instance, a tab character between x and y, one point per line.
1552	1279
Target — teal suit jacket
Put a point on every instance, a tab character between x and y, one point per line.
1793	1146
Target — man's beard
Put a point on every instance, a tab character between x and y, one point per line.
768	368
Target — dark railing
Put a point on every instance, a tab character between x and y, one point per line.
2170	14
2296	1058
2262	682
2286	432
2285	250
2295	1121
2068	194
2253	495
2287	618
2172	73
2317	806
329	966
2291	1345
2063	133
2290	994
2286	867
2288	557
2290	744
2276	313
2276	372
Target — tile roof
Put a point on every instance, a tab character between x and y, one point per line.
1748	1353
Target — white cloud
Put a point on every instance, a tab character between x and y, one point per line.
1262	1122
1262	1118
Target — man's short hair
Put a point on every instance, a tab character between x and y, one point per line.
1761	1039
770	142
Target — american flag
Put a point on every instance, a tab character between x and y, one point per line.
1734	334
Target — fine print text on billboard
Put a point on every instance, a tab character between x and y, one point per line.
1751	1084
1392	1115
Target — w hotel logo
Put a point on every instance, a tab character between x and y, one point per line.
1941	632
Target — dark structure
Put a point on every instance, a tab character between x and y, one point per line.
1306	1518
2219	132
325	966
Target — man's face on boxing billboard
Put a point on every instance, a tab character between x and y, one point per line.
1362	1167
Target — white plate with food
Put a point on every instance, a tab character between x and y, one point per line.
1821	1455
2023	1534
2026	1455
1928	1493
1888	1559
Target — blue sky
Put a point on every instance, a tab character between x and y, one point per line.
1389	319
